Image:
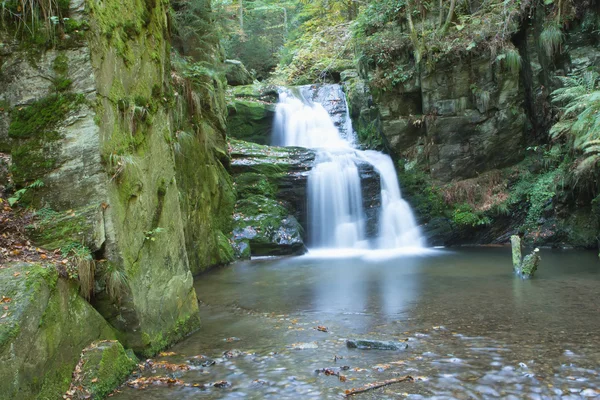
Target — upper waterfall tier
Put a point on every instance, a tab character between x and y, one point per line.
317	117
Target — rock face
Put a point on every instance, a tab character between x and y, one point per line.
250	113
459	120
93	120
271	187
237	74
46	326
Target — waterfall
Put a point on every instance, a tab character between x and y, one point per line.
318	118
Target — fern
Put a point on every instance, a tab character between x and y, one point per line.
551	39
580	119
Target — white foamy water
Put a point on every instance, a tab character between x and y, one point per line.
336	214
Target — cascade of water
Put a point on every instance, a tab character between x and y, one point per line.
335	204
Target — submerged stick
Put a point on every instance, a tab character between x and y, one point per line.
377	385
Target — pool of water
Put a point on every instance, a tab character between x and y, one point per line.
473	330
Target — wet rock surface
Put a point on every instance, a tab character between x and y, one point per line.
271	187
103	366
250	110
370	344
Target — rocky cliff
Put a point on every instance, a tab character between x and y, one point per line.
128	155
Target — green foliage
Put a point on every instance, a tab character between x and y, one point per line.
36	21
511	60
540	196
151	234
21	192
551	38
115	281
464	215
579	122
425	197
197	32
265	28
370	137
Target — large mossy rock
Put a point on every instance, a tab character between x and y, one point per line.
45	327
271	188
237	74
103	366
277	172
91	120
251	110
266	225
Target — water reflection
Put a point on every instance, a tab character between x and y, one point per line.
474	330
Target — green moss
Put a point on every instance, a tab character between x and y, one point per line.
104	367
423	195
250	120
53	230
56	383
465	216
157	342
60	65
226	254
34	128
370	137
251	183
42	116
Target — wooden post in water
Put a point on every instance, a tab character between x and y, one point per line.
517	250
524	267
530	264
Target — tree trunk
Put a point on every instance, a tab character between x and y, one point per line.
413	33
449	18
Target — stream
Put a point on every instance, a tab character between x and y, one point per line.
473	330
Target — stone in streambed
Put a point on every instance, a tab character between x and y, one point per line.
368	344
103	366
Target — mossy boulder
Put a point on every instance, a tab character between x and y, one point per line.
250	120
267	226
276	172
54	230
46	326
251	110
103	366
237	74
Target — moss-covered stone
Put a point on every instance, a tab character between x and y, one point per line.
53	230
103	366
130	57
250	120
267	227
46	327
236	73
